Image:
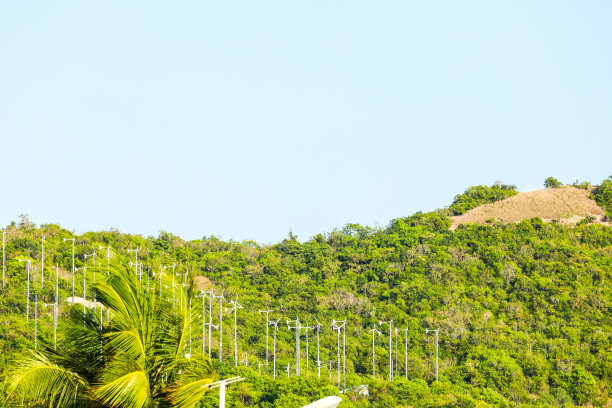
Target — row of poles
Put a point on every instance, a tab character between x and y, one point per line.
337	325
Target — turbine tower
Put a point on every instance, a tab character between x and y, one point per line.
390	323
275	324
340	325
307	328
29	261
234	308
267	312
405	349
436	331
73	269
221	299
297	328
374	331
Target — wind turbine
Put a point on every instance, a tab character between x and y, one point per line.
307	328
221	299
234	308
85	256
160	274
339	325
374	331
108	248
275	324
297	328
436	331
210	326
3	259
136	261
84	269
73	269
203	296
390	323
267	312
42	265
29	261
405	350
35	321
55	307
318	328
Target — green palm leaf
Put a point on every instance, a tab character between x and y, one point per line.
38	380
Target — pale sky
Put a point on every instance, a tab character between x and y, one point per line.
247	119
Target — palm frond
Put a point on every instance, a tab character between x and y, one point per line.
38	379
128	391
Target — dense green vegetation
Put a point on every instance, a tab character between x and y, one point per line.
524	310
603	195
479	195
552	182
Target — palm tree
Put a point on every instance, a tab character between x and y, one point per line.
140	358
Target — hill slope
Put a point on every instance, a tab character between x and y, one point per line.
567	204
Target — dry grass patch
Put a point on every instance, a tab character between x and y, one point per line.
566	204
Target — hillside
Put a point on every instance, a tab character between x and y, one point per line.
523	309
567	205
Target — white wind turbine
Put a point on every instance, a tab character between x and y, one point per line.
374	331
267	312
318	328
234	308
390	323
275	324
297	328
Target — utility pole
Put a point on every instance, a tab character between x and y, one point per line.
267	312
390	323
374	331
297	328
435	331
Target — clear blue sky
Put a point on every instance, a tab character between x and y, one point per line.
246	119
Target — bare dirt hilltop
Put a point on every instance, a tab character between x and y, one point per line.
566	204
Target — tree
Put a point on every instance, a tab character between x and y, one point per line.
141	358
552	182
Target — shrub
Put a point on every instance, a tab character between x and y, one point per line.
478	195
552	182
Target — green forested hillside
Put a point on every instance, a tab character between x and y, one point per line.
524	310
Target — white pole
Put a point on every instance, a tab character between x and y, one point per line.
56	306
3	259
436	353
42	265
35	322
222	395
28	295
